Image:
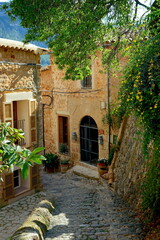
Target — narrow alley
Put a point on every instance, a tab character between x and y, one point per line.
88	210
84	210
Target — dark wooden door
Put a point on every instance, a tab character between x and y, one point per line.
89	140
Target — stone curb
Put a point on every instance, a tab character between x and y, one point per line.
36	225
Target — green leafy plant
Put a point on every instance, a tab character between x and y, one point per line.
64	162
12	154
150	188
139	96
51	161
103	160
113	119
113	149
63	148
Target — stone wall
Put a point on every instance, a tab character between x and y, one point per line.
16	75
128	162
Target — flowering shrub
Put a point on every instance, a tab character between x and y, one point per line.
140	95
140	87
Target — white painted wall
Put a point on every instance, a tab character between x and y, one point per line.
23	113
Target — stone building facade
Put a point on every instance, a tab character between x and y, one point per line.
83	108
20	105
74	112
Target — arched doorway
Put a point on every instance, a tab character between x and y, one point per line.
89	140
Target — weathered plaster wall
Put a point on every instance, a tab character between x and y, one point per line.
75	102
17	78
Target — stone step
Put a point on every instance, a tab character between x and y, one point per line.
85	171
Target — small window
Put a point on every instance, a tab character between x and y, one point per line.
87	82
16	176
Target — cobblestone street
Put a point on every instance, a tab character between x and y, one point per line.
13	215
87	210
84	210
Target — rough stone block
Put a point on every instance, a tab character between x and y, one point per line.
36	224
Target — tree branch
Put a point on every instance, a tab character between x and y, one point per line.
141	4
135	13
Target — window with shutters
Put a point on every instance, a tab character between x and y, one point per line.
8	113
8	186
33	121
15	185
63	130
22	115
34	176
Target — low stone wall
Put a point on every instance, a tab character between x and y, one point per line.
128	162
36	225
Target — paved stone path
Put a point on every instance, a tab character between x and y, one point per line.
13	215
85	210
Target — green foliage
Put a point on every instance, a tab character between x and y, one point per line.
64	162
12	154
151	185
111	155
114	119
107	119
72	29
140	88
63	148
103	160
140	95
113	149
51	160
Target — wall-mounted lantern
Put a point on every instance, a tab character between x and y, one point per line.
74	136
102	105
100	140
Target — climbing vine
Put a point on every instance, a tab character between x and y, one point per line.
140	95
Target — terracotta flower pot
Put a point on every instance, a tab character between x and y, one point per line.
64	166
102	168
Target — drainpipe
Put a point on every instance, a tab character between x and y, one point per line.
43	128
108	103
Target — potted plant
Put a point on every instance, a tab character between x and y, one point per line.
102	165
51	163
64	165
63	148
